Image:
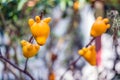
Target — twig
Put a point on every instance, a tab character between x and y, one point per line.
74	62
26	64
25	72
10	71
31	39
41	14
0	52
13	72
90	42
64	73
70	66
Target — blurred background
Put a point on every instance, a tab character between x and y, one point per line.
70	28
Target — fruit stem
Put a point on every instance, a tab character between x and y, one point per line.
26	64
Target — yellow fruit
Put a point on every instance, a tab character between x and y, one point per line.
40	29
29	50
51	76
89	54
99	27
76	5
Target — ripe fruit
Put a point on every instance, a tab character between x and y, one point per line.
51	76
89	54
99	27
76	5
29	50
40	29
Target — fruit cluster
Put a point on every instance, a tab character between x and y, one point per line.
40	30
99	27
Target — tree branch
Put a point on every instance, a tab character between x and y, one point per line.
74	62
23	71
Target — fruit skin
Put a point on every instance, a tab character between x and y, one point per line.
99	27
89	54
29	50
51	76
76	5
40	29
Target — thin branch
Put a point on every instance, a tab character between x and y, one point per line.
74	62
13	72
90	42
41	14
64	73
31	39
10	70
26	64
25	72
70	67
0	52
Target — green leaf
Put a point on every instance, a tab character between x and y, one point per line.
63	4
20	4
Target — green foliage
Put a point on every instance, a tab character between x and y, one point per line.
113	4
20	4
9	8
65	3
